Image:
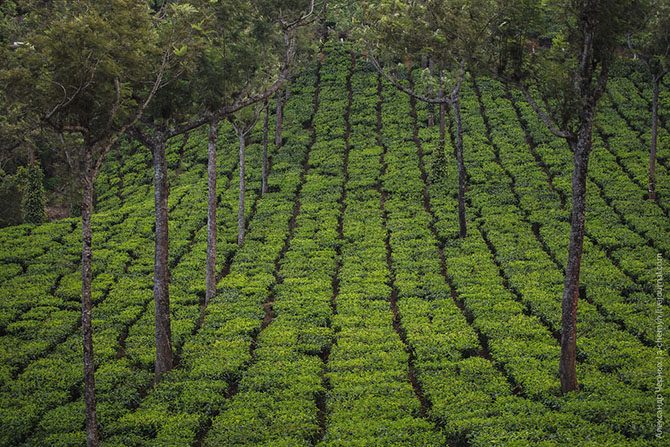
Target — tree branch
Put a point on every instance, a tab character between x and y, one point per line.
407	90
300	20
67	101
140	111
548	121
457	88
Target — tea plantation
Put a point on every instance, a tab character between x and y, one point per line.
352	314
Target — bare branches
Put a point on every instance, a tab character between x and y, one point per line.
106	144
407	90
244	128
140	111
243	102
302	20
67	101
543	115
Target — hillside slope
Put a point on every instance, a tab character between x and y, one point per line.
352	315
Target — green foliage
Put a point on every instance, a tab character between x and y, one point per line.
651	42
448	32
479	336
33	200
575	67
10	200
439	170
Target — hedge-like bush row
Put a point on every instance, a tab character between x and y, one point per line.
50	255
631	154
188	247
461	385
631	101
508	331
276	400
612	236
606	284
370	400
55	379
215	357
538	281
126	305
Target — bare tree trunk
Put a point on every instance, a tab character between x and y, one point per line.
240	210
264	173
210	281
654	136
431	107
161	268
568	362
443	119
92	436
280	118
461	167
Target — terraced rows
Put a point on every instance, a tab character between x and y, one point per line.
120	319
373	396
353	314
217	353
524	339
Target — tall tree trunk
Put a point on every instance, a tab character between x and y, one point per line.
431	107
443	118
280	118
92	436
161	268
265	167
461	167
210	290
240	210
654	136
568	363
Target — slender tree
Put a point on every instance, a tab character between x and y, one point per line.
234	76
212	140
265	167
572	77
650	45
231	56
167	117
243	125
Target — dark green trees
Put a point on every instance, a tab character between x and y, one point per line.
33	200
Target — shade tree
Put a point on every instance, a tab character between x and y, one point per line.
251	47
570	76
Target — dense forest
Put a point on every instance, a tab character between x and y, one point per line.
345	223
